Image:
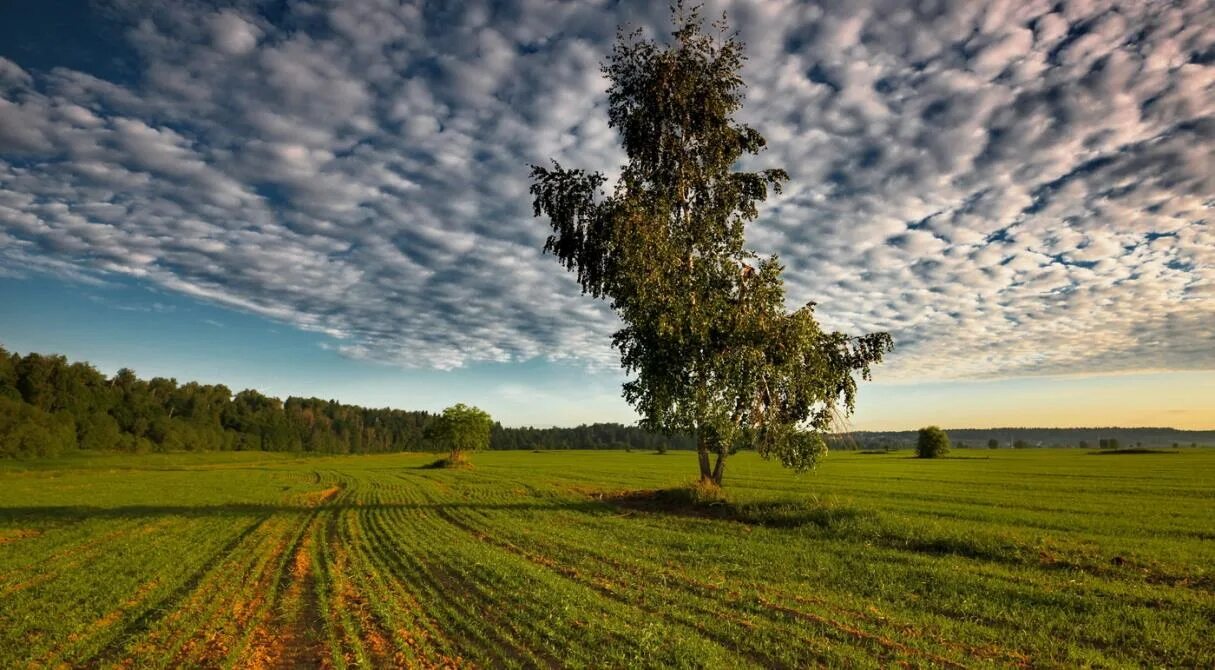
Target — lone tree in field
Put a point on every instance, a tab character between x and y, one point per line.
461	429
931	443
706	332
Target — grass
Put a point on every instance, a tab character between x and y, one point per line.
1042	558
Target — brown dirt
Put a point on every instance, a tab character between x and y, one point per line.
292	636
14	534
318	498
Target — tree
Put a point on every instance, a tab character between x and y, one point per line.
1083	444
1020	444
931	443
706	333
1113	443
993	443
27	431
461	429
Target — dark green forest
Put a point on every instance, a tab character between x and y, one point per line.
50	406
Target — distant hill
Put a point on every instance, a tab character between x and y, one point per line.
619	436
1033	437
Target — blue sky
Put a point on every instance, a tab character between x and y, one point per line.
330	198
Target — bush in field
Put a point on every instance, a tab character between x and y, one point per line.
461	429
993	443
932	442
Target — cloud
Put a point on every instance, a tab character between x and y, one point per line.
1009	188
232	34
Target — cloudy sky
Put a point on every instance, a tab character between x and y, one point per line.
330	198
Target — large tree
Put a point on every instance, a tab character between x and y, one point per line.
706	331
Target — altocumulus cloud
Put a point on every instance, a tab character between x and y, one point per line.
1011	188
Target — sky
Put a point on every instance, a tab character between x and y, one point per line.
330	198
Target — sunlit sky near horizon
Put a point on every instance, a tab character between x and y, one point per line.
330	198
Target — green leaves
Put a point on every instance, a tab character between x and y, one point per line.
706	330
461	428
931	442
581	238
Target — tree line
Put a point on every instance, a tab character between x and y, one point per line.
50	406
592	436
1109	437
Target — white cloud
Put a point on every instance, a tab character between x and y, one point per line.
232	34
1008	188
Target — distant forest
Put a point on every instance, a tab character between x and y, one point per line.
50	407
1021	438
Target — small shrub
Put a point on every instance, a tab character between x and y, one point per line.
460	429
702	492
932	443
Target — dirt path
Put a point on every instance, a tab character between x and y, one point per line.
293	635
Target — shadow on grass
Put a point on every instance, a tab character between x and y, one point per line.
1124	452
446	464
73	513
825	520
688	502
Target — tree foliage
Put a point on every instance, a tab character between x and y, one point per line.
49	406
68	406
706	334
931	443
461	429
587	436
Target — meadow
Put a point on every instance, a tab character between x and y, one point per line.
1032	558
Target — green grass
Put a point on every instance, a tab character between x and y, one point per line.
1043	558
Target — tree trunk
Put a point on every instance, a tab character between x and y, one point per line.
702	452
719	468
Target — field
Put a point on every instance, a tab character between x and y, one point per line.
1039	558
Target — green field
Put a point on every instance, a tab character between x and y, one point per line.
1041	558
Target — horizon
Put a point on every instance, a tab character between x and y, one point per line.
328	201
110	372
